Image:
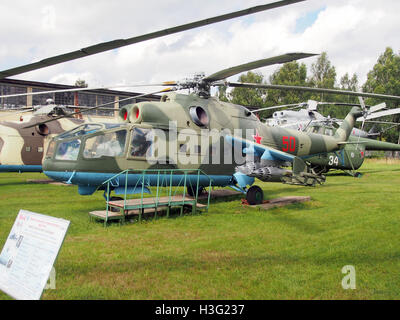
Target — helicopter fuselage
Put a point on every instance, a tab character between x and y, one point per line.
351	156
24	143
179	132
21	148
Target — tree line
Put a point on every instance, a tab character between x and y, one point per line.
384	78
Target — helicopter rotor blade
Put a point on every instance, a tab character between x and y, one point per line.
366	114
310	89
114	44
226	73
47	109
17	110
362	104
97	107
299	105
383	122
380	114
170	83
378	107
85	107
312	105
215	78
80	89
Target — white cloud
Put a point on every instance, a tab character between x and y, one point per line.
353	33
49	18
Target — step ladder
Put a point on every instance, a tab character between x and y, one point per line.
169	186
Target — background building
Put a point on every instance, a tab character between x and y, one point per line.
90	98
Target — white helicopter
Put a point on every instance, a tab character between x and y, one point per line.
308	116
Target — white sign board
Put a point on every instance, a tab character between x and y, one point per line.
29	254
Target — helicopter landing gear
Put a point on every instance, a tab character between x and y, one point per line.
304	179
254	195
192	191
354	173
319	170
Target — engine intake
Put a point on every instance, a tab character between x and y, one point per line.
130	113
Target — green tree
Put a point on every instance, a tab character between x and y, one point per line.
222	94
384	78
249	97
291	73
323	74
347	83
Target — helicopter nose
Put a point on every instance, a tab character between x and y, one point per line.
1	146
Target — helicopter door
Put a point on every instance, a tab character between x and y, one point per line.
110	144
190	150
141	144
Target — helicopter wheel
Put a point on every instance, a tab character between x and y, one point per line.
358	175
192	191
255	195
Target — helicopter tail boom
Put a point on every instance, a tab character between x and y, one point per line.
343	132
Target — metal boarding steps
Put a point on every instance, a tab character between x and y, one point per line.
169	186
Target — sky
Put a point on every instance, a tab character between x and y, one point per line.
352	32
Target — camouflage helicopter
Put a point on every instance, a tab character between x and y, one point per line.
76	156
351	157
308	116
24	141
90	154
22	145
24	132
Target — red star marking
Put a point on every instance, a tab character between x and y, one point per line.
257	138
362	154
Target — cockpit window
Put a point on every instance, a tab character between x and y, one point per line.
141	142
321	130
111	144
68	150
50	149
81	130
315	129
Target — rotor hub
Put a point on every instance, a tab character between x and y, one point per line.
197	83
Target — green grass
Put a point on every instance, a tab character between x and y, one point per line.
231	252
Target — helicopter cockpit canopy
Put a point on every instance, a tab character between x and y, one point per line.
328	130
97	140
88	128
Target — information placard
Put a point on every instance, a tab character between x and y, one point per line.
29	254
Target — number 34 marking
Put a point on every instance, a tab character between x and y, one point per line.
333	161
289	144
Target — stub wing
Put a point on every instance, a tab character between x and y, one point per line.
259	150
267	164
